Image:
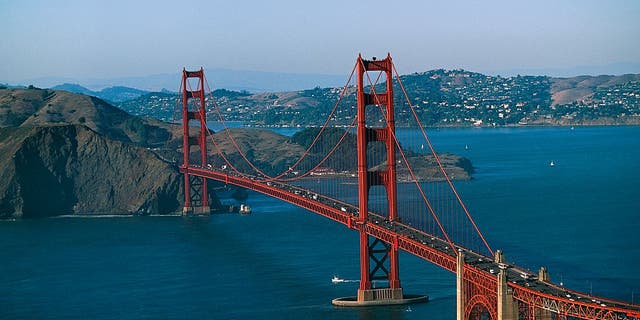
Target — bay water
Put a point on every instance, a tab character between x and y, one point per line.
579	217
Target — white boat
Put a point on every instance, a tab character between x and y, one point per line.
335	279
551	164
244	209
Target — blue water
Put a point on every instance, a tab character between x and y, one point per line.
579	218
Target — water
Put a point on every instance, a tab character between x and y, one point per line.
579	218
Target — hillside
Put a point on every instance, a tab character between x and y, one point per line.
36	107
445	98
64	153
70	169
345	159
112	94
570	90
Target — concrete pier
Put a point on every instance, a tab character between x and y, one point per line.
379	297
542	314
460	286
507	308
202	210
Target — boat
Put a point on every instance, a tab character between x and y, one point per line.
551	164
244	209
336	279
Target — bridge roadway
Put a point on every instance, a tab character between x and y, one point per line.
525	285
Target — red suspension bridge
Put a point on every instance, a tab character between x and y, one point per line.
433	224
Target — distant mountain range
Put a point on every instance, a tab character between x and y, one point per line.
238	80
111	94
260	81
447	98
441	98
115	94
619	68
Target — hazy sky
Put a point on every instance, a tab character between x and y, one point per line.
114	38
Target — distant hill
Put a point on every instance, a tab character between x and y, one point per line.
441	98
165	105
75	88
238	80
344	159
574	89
112	94
119	94
274	153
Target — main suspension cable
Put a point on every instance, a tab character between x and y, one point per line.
440	166
305	153
413	176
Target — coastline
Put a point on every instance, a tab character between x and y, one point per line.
634	123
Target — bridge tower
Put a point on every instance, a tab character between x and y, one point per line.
376	251
196	197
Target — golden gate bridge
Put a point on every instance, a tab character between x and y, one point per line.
433	224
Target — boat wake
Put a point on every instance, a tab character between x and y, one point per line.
337	279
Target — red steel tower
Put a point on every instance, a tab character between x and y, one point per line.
377	251
196	198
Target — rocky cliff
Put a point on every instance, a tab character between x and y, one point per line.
64	153
71	169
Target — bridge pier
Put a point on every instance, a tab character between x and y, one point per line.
507	307
380	294
542	314
378	251
202	210
460	290
196	196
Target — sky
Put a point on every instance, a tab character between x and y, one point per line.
120	38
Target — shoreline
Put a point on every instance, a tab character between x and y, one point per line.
540	125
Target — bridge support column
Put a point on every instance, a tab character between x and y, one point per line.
543	314
460	297
506	304
196	196
367	179
507	307
372	264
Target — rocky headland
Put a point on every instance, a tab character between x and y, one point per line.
64	153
